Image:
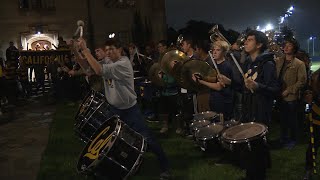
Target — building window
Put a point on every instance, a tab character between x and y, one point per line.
37	4
24	4
123	37
120	3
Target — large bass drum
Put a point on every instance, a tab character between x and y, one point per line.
114	152
93	112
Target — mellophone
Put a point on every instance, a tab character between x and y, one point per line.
210	130
113	149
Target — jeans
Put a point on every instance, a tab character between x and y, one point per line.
134	119
289	121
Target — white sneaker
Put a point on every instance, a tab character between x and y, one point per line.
164	130
179	131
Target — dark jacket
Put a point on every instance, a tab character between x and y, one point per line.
258	104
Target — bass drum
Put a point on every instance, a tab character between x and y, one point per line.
115	151
93	112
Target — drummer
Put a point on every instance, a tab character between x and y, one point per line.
95	82
120	94
220	100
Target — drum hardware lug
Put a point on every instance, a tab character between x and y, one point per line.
204	146
265	139
83	167
249	146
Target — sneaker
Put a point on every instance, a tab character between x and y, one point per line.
290	145
164	130
179	131
165	175
222	161
307	176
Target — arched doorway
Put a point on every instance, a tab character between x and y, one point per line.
39	41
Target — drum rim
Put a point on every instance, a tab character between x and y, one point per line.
236	141
86	97
203	138
195	128
90	116
90	94
142	151
202	113
97	161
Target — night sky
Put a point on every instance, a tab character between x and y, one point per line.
238	15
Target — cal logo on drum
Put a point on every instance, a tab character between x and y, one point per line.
98	143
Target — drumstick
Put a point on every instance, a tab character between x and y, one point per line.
237	64
239	68
214	62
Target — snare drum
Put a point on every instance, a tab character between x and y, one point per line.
208	137
115	151
93	112
196	125
244	136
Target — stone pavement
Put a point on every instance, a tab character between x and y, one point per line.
23	139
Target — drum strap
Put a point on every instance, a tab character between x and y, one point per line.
195	103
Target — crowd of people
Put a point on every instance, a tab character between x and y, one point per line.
269	82
251	97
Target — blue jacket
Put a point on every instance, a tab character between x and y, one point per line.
258	104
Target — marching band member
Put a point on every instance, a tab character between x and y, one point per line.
188	100
221	93
313	98
261	85
169	96
202	48
119	92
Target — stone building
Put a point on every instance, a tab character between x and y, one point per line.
30	23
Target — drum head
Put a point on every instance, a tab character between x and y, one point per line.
209	132
102	141
207	115
244	131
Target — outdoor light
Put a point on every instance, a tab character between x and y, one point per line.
112	35
281	19
291	8
268	27
38	32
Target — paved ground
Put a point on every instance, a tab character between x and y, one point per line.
23	138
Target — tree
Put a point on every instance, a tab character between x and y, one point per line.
138	30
